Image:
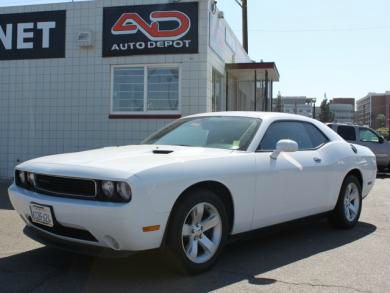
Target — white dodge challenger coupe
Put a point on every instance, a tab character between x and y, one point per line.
194	183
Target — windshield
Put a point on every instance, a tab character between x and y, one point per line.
223	132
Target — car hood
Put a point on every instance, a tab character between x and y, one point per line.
118	162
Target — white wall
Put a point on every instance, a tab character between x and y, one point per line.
61	105
221	52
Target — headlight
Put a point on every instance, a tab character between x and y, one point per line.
22	177
108	188
31	179
123	190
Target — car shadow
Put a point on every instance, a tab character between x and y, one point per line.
47	270
383	175
5	204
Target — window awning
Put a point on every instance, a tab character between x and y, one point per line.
246	71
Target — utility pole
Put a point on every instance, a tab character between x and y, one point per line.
245	25
244	6
314	100
389	123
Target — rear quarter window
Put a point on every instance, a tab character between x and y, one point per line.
347	132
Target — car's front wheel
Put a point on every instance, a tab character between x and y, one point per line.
349	205
197	230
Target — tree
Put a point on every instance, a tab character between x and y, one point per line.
325	115
279	105
380	120
384	131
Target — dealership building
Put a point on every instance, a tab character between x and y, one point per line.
75	76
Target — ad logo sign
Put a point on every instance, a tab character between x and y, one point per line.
33	35
150	29
130	23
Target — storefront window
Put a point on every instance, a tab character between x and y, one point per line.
128	95
163	89
145	89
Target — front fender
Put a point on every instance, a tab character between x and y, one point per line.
163	185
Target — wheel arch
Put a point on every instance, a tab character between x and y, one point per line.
358	174
220	189
337	216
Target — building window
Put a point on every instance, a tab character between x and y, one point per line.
217	91
145	89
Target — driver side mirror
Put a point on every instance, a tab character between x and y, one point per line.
381	139
284	145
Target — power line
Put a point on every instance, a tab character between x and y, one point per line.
318	29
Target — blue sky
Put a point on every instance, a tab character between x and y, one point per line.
341	47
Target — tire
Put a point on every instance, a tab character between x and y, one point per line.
349	204
195	249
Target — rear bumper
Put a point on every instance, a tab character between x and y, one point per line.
368	187
116	226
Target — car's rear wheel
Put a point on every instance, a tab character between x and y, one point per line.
197	231
349	205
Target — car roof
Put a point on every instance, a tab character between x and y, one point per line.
343	124
269	117
253	114
348	124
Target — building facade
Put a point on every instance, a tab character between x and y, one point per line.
343	110
75	76
374	110
300	105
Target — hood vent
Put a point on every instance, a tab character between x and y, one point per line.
162	152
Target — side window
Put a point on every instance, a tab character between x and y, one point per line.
316	136
347	132
367	135
305	134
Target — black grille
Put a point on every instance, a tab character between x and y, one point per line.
60	230
65	186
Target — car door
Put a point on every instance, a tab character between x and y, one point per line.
295	184
370	139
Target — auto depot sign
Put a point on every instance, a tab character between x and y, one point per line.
150	29
32	35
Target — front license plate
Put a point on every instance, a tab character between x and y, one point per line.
41	215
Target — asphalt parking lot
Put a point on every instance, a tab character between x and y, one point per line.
307	256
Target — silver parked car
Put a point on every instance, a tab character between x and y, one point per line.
368	137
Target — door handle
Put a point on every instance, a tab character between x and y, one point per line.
317	160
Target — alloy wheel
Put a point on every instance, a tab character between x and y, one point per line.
201	232
351	202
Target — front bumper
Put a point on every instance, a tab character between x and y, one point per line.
116	226
70	246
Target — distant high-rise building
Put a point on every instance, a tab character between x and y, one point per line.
374	110
343	109
300	105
